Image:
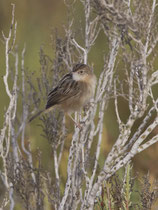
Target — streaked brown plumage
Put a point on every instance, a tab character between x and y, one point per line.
73	91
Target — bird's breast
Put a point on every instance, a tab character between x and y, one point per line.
86	92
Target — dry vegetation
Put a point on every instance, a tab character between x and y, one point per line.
131	30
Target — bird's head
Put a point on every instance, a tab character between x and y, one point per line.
82	72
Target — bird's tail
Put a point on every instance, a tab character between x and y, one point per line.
36	115
40	112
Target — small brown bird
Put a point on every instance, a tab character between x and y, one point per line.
73	91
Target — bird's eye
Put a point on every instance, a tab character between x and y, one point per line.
81	72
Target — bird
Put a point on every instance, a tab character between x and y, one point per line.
73	91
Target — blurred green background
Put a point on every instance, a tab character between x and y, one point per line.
36	19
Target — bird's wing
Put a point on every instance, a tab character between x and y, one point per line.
66	88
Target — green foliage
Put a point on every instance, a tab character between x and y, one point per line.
127	188
127	193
